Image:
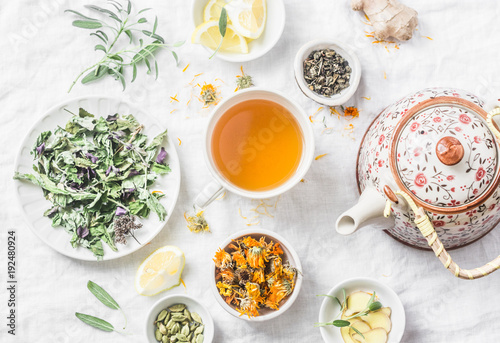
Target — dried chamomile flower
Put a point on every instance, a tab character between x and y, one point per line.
243	81
197	223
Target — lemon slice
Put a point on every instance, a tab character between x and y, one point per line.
212	10
248	17
160	271
208	34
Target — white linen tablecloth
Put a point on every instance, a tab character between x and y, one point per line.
41	53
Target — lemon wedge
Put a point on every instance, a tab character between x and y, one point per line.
248	17
212	10
160	271
208	34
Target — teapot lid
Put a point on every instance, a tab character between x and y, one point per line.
445	156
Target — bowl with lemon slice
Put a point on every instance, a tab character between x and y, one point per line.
253	27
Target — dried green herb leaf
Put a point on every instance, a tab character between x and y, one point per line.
98	323
87	24
102	295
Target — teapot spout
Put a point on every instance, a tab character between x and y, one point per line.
371	204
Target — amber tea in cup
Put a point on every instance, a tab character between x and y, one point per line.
257	145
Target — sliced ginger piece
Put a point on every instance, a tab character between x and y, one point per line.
357	302
377	335
378	320
386	310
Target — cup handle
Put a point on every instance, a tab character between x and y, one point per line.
211	192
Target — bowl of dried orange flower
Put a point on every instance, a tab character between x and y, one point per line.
257	275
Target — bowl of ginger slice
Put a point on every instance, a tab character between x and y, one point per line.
362	310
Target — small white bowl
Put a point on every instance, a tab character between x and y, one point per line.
192	305
330	308
275	24
288	255
346	52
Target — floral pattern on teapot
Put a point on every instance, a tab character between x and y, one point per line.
454	230
431	180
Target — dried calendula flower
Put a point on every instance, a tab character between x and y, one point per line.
351	112
197	223
243	81
209	94
250	274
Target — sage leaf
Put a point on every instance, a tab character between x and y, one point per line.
375	306
222	29
155	25
142	20
130	35
103	10
100	47
129	7
340	323
98	323
144	10
95	74
153	35
134	71
223	22
100	37
175	57
102	295
87	24
81	15
357	331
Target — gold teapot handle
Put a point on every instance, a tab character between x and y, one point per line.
489	121
425	226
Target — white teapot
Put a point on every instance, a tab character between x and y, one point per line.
432	161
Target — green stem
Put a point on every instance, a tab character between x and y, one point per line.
83	72
119	204
124	316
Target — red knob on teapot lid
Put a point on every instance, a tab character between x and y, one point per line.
449	150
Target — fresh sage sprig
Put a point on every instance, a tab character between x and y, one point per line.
371	306
105	298
119	22
222	29
98	323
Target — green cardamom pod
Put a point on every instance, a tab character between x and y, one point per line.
162	315
196	317
185	330
200	338
158	335
163	329
167	318
177	308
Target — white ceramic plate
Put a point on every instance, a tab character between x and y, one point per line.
275	24
192	305
330	308
33	203
288	255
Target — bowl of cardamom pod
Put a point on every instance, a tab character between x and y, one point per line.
327	71
179	318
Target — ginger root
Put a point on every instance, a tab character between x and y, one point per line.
389	18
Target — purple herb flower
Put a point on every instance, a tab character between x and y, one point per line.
112	169
127	192
90	173
162	155
41	148
112	117
133	172
92	158
120	211
82	231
